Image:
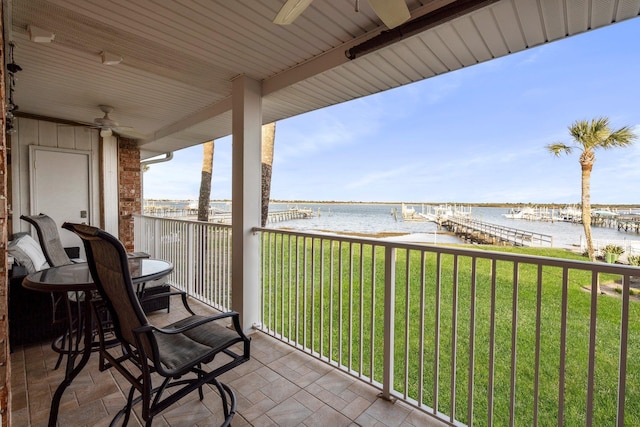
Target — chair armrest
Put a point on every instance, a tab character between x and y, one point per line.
194	324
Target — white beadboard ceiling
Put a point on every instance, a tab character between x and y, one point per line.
180	56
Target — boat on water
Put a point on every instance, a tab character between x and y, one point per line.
545	214
604	213
566	214
520	213
437	214
571	214
410	214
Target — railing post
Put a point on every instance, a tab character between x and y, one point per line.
156	237
389	321
137	232
191	242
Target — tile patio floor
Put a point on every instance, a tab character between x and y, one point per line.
279	386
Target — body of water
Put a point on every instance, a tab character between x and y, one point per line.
374	219
378	218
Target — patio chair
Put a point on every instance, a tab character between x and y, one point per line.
49	238
56	256
176	354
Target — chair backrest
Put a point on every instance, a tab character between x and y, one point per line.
49	239
109	266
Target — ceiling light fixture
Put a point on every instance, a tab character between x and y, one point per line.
38	35
109	58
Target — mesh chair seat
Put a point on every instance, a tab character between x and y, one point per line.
178	351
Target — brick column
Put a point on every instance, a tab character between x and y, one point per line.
130	190
5	361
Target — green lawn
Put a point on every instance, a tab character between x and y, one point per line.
336	318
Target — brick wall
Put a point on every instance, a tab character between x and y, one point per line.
5	361
130	190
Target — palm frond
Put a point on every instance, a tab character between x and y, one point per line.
578	130
622	137
559	148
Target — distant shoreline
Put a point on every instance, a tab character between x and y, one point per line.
476	204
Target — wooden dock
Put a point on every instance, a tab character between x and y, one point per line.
289	214
475	231
629	223
220	217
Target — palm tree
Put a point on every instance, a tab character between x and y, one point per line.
205	181
589	136
268	138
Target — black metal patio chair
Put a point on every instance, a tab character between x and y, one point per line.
175	356
56	256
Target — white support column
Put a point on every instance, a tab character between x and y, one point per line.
110	184
246	199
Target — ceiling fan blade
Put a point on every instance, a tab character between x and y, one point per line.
391	12
290	11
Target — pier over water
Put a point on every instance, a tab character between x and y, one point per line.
485	233
224	217
623	222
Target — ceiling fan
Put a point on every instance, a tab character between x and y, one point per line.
107	125
391	12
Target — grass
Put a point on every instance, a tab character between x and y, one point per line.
337	310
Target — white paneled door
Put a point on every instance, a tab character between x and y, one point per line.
60	182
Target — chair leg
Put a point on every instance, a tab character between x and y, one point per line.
200	376
55	300
229	407
63	345
186	304
59	348
126	411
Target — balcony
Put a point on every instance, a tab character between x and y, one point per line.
279	386
454	336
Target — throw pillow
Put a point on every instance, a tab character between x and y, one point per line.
28	253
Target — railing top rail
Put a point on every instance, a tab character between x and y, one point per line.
158	218
626	270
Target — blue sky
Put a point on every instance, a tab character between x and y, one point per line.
473	135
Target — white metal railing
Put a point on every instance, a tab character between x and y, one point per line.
630	247
472	337
199	251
